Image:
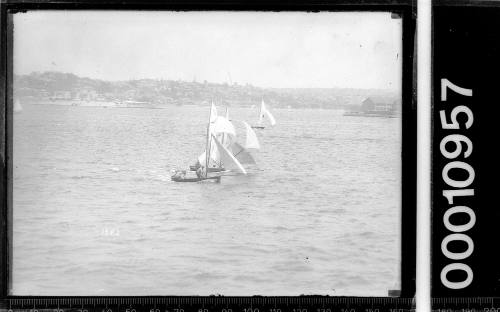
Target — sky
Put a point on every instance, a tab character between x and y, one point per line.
265	49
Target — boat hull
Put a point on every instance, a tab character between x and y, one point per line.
258	127
194	179
194	168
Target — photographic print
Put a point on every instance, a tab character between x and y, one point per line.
206	153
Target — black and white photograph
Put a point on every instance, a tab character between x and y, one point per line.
198	153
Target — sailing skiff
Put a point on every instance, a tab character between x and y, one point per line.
223	155
264	112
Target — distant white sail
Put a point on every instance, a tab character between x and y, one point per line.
271	118
227	158
266	113
251	137
261	111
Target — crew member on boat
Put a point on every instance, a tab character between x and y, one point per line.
199	172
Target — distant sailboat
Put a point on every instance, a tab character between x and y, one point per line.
264	112
17	106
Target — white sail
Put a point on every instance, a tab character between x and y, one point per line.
241	154
224	138
219	127
222	125
261	111
208	148
227	158
214	160
251	137
202	158
266	113
213	113
271	118
17	106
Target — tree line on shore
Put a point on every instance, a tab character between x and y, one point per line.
57	85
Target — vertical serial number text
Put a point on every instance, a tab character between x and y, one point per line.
456	148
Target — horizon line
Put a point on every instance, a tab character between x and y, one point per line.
210	82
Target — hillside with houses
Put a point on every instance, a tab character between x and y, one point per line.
54	87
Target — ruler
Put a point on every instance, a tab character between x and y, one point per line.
466	304
208	304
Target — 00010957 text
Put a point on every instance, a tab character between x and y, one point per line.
462	147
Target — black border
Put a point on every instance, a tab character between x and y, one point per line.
406	8
448	32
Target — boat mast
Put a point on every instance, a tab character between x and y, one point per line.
223	134
261	111
207	146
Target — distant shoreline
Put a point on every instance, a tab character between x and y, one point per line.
58	86
109	104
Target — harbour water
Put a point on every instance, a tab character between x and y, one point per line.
95	212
